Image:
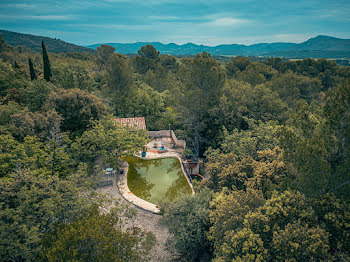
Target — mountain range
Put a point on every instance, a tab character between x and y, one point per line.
318	47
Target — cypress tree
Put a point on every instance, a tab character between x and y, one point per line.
16	65
31	69
3	45
47	67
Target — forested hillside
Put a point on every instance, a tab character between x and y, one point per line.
273	137
33	42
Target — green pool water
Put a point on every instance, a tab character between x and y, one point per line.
157	180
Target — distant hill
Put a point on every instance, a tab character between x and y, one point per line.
192	49
317	47
324	43
34	42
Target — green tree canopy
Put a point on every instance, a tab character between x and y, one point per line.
204	79
292	87
30	206
188	221
76	107
282	228
103	54
267	173
108	139
237	64
95	237
46	62
147	59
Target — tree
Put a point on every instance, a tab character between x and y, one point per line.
307	145
12	83
335	214
226	170
120	82
76	107
244	143
96	237
46	62
237	64
147	102
266	173
169	63
298	241
204	79
10	153
108	139
3	45
36	94
31	69
6	113
227	212
31	205
119	74
256	73
239	105
188	223
147	59
34	124
34	154
103	54
292	87
281	228
337	114
60	161
157	78
149	52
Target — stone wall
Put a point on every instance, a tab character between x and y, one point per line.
170	134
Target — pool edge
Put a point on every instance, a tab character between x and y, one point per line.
122	184
124	190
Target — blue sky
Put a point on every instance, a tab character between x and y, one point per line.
207	22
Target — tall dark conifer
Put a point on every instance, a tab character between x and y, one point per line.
47	67
31	69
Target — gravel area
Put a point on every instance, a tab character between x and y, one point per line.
146	221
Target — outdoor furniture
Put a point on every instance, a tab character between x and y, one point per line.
162	149
109	172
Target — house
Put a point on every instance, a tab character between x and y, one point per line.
136	123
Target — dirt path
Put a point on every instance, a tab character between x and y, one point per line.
147	221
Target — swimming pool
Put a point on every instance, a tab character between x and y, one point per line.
157	180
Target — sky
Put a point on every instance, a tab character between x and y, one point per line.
207	22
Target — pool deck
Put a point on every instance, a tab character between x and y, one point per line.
122	182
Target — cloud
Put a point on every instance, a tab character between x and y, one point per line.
18	6
143	2
114	26
52	17
339	14
167	18
39	17
23	6
227	21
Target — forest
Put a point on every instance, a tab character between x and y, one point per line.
273	137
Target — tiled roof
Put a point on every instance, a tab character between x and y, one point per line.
137	123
